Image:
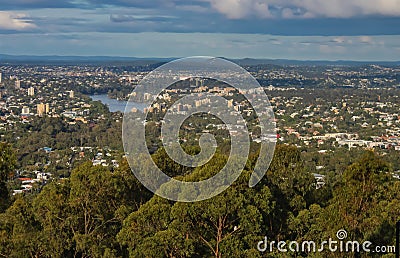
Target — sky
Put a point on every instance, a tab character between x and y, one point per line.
363	30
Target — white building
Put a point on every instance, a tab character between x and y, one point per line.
31	91
18	84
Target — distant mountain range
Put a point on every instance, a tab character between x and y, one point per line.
54	59
250	61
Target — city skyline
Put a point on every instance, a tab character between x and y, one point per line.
297	30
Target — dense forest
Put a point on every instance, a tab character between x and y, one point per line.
101	213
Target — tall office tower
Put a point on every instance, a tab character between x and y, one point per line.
18	84
147	96
47	108
71	94
238	108
230	103
1	77
41	109
31	91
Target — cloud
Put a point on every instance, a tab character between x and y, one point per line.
275	17
351	8
86	4
232	9
133	18
35	4
365	39
291	13
15	21
238	9
171	5
189	44
339	40
328	49
193	8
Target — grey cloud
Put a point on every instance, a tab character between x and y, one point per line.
36	4
187	5
12	21
239	9
132	18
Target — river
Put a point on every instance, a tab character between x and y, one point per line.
116	105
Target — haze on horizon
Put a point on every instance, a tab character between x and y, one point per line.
360	30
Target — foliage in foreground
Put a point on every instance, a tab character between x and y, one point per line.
97	213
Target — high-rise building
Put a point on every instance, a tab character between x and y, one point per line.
42	109
31	91
18	84
238	108
1	77
147	96
71	94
